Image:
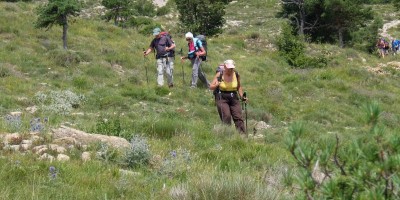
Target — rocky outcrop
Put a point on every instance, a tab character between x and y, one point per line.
83	138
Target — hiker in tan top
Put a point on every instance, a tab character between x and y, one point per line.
229	94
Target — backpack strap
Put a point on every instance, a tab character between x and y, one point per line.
196	43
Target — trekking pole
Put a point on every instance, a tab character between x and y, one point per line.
145	66
245	109
183	71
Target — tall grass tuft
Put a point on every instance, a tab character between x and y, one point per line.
164	128
223	186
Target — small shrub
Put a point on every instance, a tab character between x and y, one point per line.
176	164
59	102
165	128
4	72
292	48
106	154
134	79
108	126
13	122
233	32
254	36
161	91
80	82
162	11
139	154
38	124
112	101
224	130
65	58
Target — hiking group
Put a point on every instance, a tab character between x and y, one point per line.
384	46
226	84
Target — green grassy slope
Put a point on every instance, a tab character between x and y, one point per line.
105	64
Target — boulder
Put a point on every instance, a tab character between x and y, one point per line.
84	138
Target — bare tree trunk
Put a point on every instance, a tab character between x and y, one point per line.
341	42
116	17
302	20
65	30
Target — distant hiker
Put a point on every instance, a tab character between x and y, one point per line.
196	50
229	94
395	46
387	47
164	47
381	47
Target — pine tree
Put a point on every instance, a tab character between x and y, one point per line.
117	10
202	16
57	12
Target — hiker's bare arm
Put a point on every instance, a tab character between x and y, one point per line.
201	52
240	90
215	83
169	48
145	53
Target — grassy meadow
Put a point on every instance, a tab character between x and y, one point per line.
193	155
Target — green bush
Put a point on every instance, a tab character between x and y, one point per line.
366	167
166	128
80	82
292	48
4	72
108	126
65	58
163	11
139	154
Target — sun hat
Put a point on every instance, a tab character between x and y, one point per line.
156	31
230	64
189	35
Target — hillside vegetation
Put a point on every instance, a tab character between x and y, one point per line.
99	86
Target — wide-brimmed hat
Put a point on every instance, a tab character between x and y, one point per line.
156	31
230	64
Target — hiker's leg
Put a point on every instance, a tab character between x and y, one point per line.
160	68
225	110
170	70
202	77
217	96
237	117
195	70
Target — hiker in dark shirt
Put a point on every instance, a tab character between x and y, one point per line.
163	45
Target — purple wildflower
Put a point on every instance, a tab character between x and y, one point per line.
173	153
53	172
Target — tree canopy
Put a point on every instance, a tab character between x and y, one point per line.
202	16
327	20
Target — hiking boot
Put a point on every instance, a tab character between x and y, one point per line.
171	85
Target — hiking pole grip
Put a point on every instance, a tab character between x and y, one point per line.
244	97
